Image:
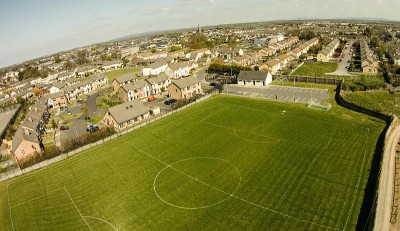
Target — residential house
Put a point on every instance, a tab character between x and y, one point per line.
134	90
255	78
74	91
284	59
121	80
56	100
85	71
25	143
266	52
271	65
184	88
155	68
112	65
57	87
125	114
178	70
98	80
159	83
326	54
369	61
61	77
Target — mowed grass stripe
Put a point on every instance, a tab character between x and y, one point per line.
114	181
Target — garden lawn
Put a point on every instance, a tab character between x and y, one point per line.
112	74
315	69
228	163
379	101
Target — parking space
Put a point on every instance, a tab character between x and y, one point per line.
291	94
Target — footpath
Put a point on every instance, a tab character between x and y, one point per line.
386	185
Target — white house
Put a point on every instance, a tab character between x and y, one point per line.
159	83
57	88
112	65
155	68
64	76
255	78
178	70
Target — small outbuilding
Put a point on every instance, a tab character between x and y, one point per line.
254	78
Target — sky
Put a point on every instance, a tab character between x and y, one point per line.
34	28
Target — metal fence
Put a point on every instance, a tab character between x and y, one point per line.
17	172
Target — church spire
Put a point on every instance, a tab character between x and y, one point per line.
198	28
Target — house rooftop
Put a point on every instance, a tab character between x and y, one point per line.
253	75
185	82
127	111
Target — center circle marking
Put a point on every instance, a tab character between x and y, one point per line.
228	194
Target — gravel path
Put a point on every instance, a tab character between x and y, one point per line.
385	198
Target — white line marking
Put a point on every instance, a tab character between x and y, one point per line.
204	183
35	198
103	221
77	209
288	141
359	180
9	209
330	139
231	195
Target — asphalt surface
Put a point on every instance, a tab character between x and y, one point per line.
290	94
341	70
77	128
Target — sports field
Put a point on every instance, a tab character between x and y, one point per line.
228	163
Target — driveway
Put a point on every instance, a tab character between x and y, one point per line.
92	106
77	127
341	70
163	107
201	73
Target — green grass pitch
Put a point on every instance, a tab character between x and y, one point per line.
228	163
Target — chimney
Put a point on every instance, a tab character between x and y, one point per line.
30	119
26	131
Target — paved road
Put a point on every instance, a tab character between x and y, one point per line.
341	70
385	198
77	128
201	73
291	94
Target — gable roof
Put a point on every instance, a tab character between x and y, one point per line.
127	111
134	85
158	79
272	62
99	76
21	136
253	75
125	77
185	82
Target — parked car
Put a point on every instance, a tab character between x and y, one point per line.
170	101
151	98
92	128
348	61
69	113
64	127
213	84
79	100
